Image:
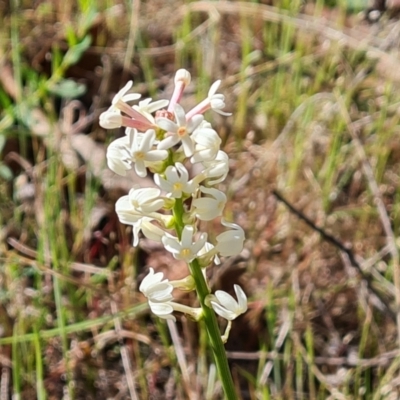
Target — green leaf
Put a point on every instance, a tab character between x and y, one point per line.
74	54
87	19
71	36
67	89
5	172
2	142
5	123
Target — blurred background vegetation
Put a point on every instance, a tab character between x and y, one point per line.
315	154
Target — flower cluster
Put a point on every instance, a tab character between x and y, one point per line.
163	139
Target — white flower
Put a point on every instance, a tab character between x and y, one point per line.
217	168
182	75
122	95
214	101
155	288
162	310
208	254
135	148
150	230
217	101
146	200
208	208
122	114
142	150
176	182
127	214
179	131
230	243
182	79
146	107
226	306
185	249
159	293
118	157
207	143
111	119
140	202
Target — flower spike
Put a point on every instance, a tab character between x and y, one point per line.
178	155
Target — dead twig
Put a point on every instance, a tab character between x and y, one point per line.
126	361
337	243
5	383
385	220
381	360
180	355
75	266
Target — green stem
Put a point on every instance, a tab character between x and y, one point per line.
210	319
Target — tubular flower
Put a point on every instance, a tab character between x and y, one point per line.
159	295
146	200
118	158
127	214
150	230
217	101
186	249
136	148
208	208
147	107
140	202
142	152
215	171
176	182
226	306
179	131
122	114
182	80
155	288
122	96
214	101
207	144
230	243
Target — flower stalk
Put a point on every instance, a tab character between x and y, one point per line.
215	339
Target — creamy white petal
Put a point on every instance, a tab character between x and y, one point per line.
185	249
223	312
180	115
155	288
230	243
168	142
167	125
182	75
162	310
187	236
188	145
226	306
242	298
208	208
110	120
214	87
